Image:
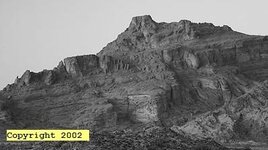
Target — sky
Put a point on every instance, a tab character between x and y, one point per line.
38	34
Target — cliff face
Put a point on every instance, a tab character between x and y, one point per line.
196	78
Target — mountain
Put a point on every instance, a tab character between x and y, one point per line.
195	80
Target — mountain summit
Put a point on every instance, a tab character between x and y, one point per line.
193	80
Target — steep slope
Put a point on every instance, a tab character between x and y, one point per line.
244	118
175	75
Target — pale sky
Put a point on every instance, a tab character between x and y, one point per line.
37	34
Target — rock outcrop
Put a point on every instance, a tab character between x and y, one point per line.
47	77
81	65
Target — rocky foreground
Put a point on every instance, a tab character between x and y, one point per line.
150	139
194	81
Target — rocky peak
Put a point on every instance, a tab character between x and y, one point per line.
143	23
144	33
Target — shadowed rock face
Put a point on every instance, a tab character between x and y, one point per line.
200	79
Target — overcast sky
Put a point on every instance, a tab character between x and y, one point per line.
37	34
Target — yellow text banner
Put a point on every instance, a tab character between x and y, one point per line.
47	135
